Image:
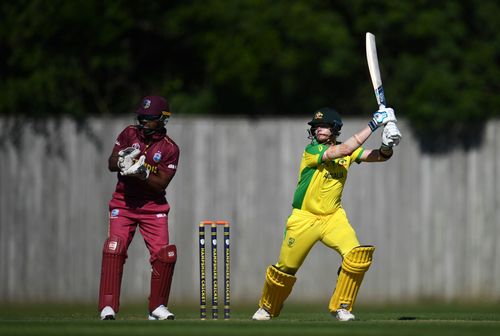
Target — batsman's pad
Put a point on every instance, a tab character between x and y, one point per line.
353	269
113	258
277	287
162	273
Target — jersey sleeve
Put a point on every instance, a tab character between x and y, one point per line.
356	155
313	154
122	141
169	164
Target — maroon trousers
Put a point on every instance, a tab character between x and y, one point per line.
154	229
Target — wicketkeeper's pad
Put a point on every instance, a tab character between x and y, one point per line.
113	258
353	269
162	273
277	287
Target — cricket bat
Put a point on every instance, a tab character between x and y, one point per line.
373	67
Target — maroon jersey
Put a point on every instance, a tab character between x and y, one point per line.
162	154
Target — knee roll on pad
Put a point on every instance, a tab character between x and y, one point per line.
353	269
277	287
114	253
114	245
162	273
167	254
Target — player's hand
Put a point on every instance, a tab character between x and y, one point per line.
126	157
391	136
138	169
382	117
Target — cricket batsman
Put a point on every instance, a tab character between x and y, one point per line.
318	214
145	159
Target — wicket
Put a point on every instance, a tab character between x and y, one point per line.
227	271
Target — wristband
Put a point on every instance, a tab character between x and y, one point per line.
373	125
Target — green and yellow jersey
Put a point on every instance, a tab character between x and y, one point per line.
320	184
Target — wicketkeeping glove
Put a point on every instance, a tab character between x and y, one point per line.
138	169
382	117
126	157
391	136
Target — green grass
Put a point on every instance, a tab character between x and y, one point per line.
295	320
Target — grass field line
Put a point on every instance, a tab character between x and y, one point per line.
420	320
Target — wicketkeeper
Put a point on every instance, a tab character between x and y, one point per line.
145	158
318	215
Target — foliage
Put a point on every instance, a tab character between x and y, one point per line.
439	60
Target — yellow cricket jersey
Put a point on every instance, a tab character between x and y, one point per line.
320	185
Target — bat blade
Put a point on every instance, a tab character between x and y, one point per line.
373	67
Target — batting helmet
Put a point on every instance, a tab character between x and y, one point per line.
327	116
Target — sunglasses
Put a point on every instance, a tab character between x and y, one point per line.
146	118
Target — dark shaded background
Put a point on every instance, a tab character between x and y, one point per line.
439	59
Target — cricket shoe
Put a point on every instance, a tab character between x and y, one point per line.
161	313
107	313
344	315
261	315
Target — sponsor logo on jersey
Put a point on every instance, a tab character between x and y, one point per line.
151	168
157	157
291	241
172	166
160	215
136	145
114	213
333	175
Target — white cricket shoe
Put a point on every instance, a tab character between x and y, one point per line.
161	313
107	313
261	315
344	315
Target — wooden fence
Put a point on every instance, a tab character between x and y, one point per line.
434	219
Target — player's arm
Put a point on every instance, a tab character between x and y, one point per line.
122	158
390	138
376	155
380	118
349	146
157	182
160	181
113	161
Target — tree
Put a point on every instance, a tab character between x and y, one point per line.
439	60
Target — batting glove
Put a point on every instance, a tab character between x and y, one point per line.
382	117
391	136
